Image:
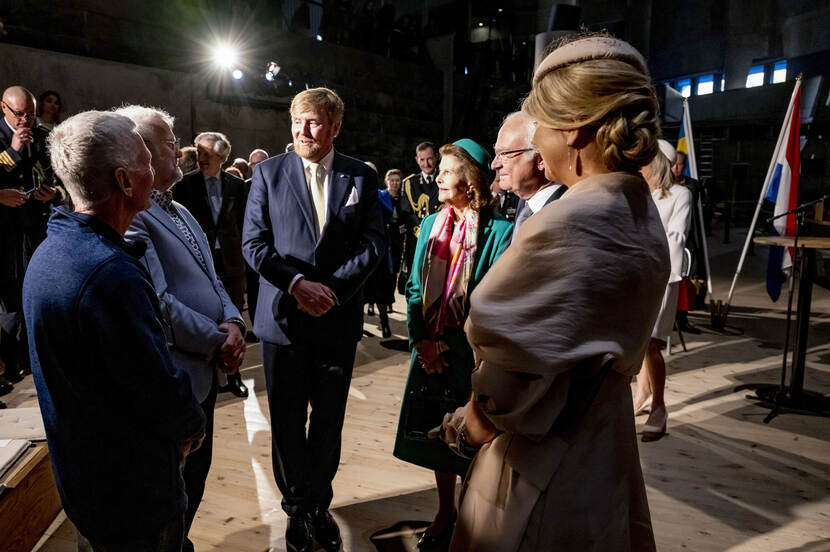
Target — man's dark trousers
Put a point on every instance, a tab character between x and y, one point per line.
296	376
197	466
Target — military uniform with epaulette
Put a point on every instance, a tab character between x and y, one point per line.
21	231
419	199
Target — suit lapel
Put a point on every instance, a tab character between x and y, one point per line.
223	178
158	213
339	185
294	176
201	192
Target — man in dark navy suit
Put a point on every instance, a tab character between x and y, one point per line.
521	169
313	231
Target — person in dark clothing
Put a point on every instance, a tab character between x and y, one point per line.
26	197
419	199
119	417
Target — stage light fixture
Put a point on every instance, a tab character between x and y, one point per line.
269	76
237	74
225	56
319	38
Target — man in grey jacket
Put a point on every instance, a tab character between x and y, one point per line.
205	329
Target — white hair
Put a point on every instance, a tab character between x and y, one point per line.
86	149
221	144
530	128
143	117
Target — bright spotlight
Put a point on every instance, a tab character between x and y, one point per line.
319	37
237	74
269	76
225	55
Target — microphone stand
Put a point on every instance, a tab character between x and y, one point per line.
793	397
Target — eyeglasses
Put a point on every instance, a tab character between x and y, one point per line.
19	115
175	143
512	153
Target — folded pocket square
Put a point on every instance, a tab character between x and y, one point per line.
353	197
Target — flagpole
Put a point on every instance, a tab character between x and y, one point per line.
690	148
781	136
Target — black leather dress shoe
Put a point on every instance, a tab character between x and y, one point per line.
299	533
235	386
326	531
14	376
5	388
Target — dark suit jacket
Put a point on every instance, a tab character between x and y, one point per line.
280	241
192	193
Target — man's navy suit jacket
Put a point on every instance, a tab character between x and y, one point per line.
279	241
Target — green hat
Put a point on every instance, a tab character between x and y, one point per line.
476	151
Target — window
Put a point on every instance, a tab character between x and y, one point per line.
779	71
705	85
685	87
755	77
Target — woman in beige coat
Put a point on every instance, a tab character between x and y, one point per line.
560	324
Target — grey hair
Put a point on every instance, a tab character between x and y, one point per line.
85	151
530	128
143	117
221	144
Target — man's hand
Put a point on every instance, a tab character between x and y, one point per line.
45	193
232	350
190	445
20	138
11	197
313	298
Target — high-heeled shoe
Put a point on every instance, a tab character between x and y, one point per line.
384	325
655	426
645	407
427	542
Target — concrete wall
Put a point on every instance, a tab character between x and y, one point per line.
390	106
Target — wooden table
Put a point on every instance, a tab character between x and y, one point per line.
30	502
794	397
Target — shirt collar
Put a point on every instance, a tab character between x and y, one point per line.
162	199
425	175
541	197
9	125
326	162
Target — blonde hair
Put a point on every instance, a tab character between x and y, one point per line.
659	174
323	98
614	98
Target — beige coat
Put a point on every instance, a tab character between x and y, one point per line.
558	326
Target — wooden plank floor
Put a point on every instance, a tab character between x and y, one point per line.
720	480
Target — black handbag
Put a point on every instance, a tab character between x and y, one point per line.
427	405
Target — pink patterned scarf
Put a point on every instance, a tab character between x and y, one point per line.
448	265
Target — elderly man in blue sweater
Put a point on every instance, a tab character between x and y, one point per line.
119	417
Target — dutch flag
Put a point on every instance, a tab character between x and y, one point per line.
783	192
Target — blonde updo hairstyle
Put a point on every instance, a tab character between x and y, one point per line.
601	83
659	169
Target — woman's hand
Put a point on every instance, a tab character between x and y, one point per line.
429	355
478	427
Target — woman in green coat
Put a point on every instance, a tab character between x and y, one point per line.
456	246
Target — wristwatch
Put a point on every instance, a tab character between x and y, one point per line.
239	323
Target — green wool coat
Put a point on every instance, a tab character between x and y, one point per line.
494	234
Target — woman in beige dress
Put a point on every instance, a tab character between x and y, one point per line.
560	324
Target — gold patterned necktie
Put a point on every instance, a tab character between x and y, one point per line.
316	180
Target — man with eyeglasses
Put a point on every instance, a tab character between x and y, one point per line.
26	195
521	169
205	330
